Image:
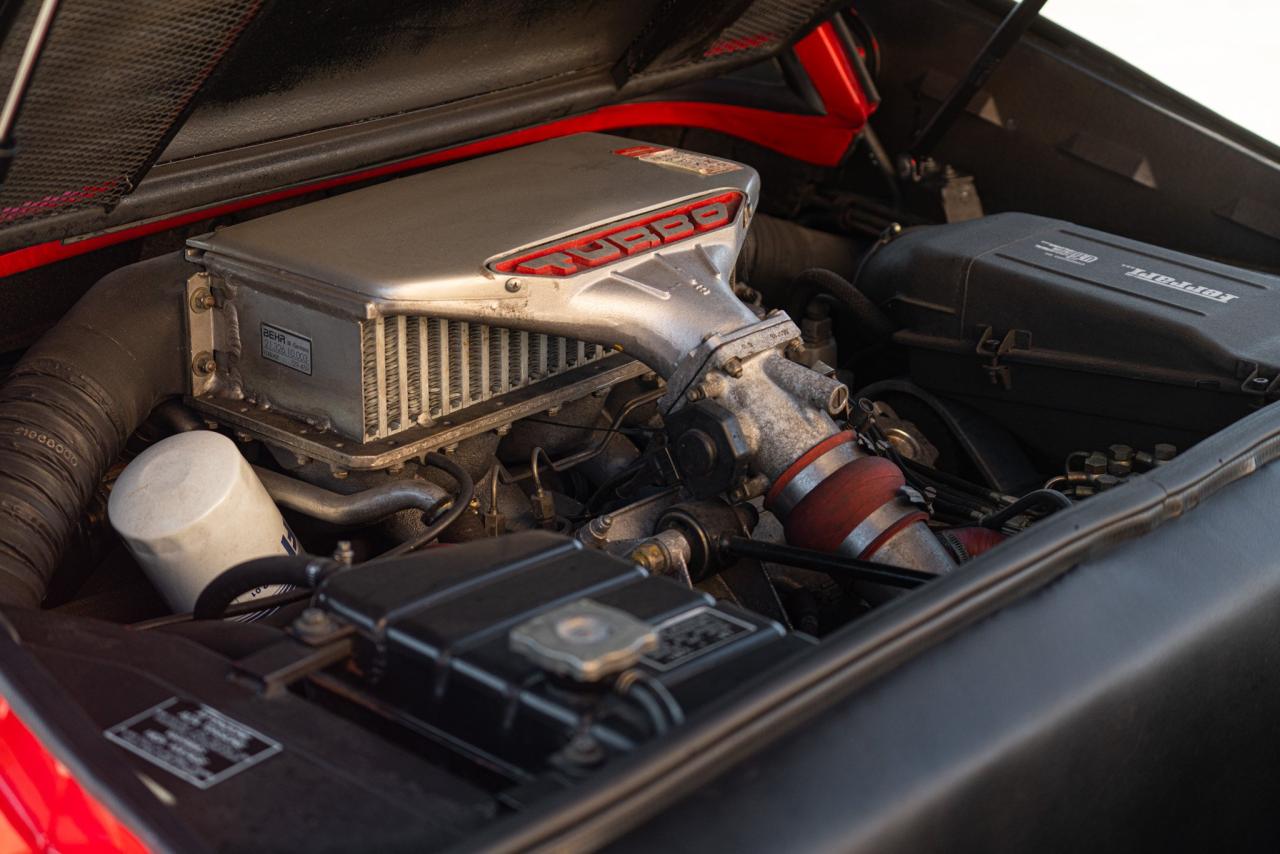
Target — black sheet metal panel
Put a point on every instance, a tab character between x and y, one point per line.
299	776
307	90
1129	706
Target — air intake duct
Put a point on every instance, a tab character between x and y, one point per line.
70	404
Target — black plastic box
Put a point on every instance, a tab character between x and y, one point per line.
1032	318
434	646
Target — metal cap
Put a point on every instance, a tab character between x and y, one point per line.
584	640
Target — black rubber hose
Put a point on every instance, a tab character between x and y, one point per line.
872	327
297	570
69	405
775	248
466	490
1038	498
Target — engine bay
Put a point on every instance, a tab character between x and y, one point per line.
551	473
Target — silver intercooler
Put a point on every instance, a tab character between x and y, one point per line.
417	371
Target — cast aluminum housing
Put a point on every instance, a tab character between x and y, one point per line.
394	314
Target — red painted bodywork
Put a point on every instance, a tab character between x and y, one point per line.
42	807
820	140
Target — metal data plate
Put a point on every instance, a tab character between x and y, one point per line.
340	452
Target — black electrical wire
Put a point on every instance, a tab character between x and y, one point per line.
466	491
839	565
1043	498
959	483
304	571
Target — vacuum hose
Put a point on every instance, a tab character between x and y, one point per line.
70	404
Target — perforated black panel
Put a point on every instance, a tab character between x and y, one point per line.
113	79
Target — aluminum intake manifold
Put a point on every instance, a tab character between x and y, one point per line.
602	239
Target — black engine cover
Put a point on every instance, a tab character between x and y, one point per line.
1037	316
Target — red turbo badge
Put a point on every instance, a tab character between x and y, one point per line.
627	237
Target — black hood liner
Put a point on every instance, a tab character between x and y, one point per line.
125	84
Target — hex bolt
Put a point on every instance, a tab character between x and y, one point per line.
1121	460
1164	452
1260	382
732	367
795	349
695	394
649	556
1107	481
598	530
313	625
513	285
343	553
1095	463
583	750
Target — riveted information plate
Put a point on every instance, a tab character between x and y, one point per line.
286	348
690	635
193	742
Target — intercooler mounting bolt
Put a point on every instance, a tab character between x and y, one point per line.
202	300
513	285
203	364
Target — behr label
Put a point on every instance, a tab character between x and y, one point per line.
286	348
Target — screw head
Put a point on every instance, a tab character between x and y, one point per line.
513	285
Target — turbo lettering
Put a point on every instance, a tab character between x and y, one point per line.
629	237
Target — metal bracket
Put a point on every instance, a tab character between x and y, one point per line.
993	350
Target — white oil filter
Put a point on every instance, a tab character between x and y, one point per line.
190	507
